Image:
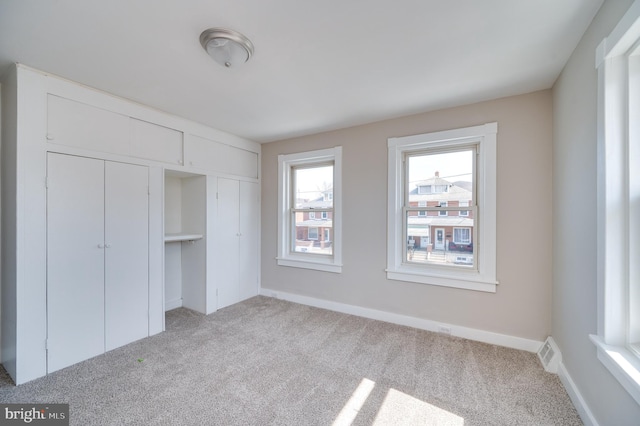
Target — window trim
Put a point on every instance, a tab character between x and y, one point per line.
484	277
285	256
618	142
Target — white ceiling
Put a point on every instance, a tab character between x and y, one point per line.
318	65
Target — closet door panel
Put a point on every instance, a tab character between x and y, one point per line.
75	260
248	254
228	242
126	253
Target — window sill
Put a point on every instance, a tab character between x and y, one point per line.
463	280
310	264
622	364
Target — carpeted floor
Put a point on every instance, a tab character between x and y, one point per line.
270	362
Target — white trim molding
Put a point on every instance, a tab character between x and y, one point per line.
420	323
618	186
285	256
621	363
483	276
579	402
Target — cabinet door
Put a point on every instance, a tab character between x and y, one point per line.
215	156
75	260
155	142
228	242
76	124
126	254
248	256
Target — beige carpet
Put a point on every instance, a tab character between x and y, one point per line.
270	362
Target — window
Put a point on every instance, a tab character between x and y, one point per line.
432	189
422	212
327	235
464	212
462	235
442	212
313	234
618	209
453	165
309	184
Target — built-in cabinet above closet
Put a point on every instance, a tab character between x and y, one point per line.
110	216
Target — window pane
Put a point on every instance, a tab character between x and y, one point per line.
440	178
313	237
439	240
313	186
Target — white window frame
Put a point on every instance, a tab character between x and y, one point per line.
312	215
287	257
482	278
327	235
324	215
618	219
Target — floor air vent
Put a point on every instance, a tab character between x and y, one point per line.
549	355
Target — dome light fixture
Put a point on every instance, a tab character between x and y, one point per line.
227	47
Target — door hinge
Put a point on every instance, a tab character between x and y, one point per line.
216	195
46	182
46	344
148	190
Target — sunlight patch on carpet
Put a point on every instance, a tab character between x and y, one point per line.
352	407
398	408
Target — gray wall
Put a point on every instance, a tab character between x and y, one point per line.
574	225
522	305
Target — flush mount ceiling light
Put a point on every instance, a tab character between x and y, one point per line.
227	47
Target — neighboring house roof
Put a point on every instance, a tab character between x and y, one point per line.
436	180
315	204
456	191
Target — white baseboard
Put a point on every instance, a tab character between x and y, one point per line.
172	304
420	323
576	397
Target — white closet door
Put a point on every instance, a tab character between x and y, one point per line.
228	239
248	256
126	253
75	260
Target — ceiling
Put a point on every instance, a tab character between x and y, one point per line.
317	66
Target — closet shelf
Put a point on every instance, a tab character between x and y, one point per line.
171	238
